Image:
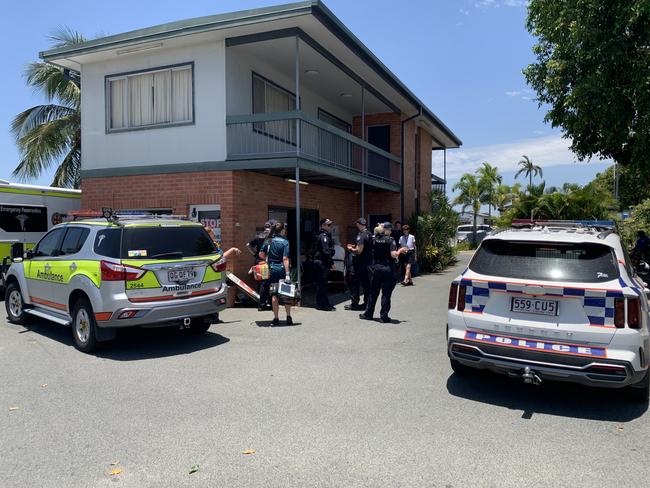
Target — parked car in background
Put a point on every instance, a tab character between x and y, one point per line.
465	233
99	275
557	302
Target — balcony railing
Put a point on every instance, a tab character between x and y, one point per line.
275	135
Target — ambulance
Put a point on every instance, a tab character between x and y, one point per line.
27	212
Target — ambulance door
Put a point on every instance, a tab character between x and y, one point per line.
42	278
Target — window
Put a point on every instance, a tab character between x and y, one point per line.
153	98
74	240
580	262
267	98
50	244
107	243
166	242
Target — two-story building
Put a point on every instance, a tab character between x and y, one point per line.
277	112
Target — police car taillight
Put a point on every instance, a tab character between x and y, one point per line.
453	294
461	298
619	313
219	265
117	272
633	313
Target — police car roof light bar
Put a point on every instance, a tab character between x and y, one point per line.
602	225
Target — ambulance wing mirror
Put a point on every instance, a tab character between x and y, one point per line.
28	254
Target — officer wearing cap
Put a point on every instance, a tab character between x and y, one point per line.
323	251
384	252
361	259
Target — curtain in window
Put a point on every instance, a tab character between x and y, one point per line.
117	100
162	109
182	95
140	100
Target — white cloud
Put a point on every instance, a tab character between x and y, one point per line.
538	132
463	11
513	93
545	151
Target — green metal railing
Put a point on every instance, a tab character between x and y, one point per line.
295	134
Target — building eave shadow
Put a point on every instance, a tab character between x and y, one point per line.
551	398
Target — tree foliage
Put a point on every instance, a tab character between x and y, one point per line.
50	134
434	232
593	71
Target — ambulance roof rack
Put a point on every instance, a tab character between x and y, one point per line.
115	216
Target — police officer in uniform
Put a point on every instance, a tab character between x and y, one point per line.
385	252
323	262
361	259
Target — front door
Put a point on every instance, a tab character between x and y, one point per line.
43	278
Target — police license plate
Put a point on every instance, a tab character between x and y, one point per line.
181	275
534	305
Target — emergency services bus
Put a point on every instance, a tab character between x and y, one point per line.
27	212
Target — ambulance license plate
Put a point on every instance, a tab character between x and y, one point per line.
181	275
534	305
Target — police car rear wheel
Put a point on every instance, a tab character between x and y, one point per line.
15	304
641	391
83	326
459	368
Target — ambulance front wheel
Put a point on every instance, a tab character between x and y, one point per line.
14	304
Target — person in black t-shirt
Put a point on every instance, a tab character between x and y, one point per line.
385	252
323	252
361	259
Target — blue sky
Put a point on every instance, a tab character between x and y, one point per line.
463	58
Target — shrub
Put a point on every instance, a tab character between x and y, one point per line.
435	232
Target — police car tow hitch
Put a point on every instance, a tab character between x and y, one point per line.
186	323
530	377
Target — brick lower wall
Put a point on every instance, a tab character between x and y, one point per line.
244	197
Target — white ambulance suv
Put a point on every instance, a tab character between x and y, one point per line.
99	275
557	301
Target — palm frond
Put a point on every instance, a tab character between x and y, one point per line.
64	36
44	145
51	82
35	116
68	173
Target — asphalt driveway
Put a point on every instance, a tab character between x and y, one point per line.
330	401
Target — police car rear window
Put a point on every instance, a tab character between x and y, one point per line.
166	242
576	262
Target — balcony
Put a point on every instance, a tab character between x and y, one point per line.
273	142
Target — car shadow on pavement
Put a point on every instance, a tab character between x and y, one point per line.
134	344
561	399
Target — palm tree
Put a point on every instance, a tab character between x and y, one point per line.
489	178
503	197
50	134
530	169
471	194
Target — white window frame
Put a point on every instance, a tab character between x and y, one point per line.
126	100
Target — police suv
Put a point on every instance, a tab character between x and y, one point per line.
98	275
553	301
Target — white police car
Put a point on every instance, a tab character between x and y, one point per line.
555	301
